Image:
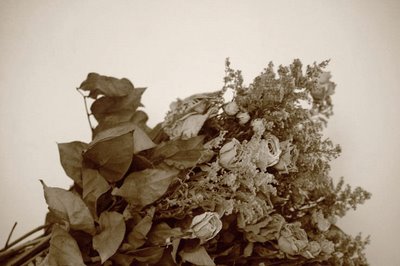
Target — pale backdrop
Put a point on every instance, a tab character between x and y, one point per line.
177	48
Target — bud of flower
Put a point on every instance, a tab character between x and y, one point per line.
243	118
205	226
288	158
231	108
258	126
227	154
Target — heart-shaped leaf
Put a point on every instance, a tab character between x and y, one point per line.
137	237
108	86
94	185
112	233
162	234
63	251
190	158
112	156
69	207
144	187
71	159
141	141
121	108
149	255
197	256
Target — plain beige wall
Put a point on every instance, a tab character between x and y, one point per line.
177	48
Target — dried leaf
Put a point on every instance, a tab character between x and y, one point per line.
169	148
197	256
120	108
94	185
137	237
63	249
148	255
112	233
162	234
111	133
122	259
141	141
144	187
187	159
71	159
70	208
112	156
108	86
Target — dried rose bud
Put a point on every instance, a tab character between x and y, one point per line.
258	126
319	220
231	108
327	246
205	226
228	154
243	118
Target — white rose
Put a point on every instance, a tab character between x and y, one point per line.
231	108
269	152
205	226
228	154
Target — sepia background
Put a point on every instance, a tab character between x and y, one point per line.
177	48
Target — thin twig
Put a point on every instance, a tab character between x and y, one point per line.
6	254
24	236
9	235
41	253
31	252
87	109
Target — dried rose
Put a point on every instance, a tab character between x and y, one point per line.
231	108
228	154
293	239
313	249
319	220
327	246
243	118
269	152
205	226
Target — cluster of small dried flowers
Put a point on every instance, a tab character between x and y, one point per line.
238	181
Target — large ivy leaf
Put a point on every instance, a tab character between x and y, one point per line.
190	158
170	148
71	159
69	207
94	185
121	108
137	237
112	233
197	256
63	251
145	187
162	234
108	86
112	156
141	141
113	132
150	255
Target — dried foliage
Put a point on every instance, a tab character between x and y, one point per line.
243	182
